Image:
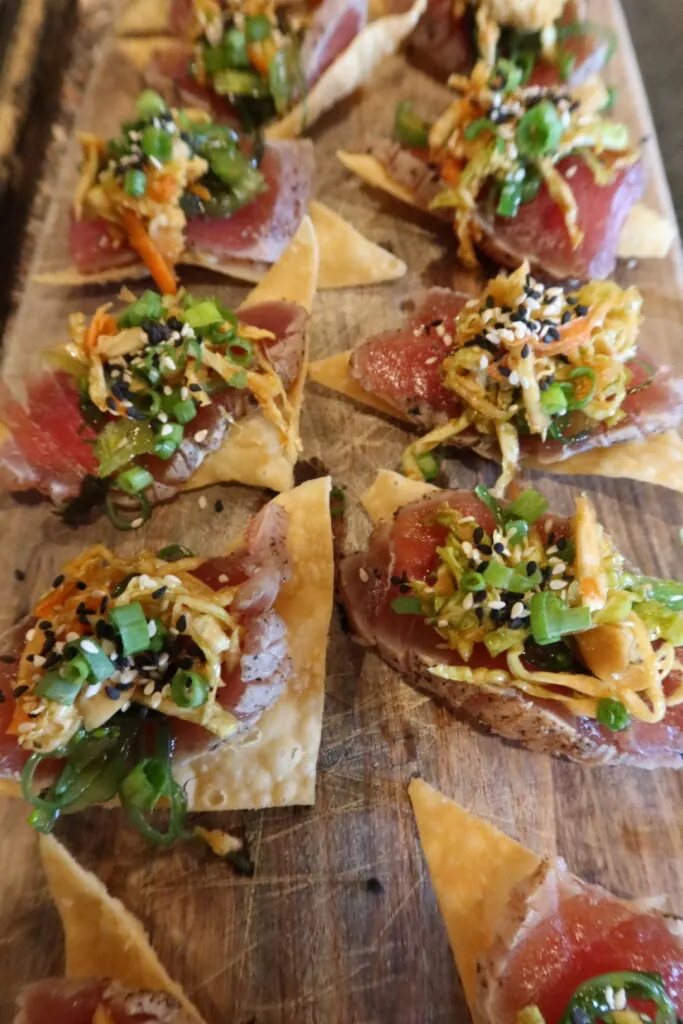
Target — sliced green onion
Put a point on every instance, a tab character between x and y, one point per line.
128	518
285	77
135	183
591	1001
159	634
554	400
530	506
157	143
577	374
145	785
119	442
185	411
189	689
229	82
409	129
257	27
130	621
510	199
167	444
539	131
566	63
235	53
551	619
502	639
174	553
667	592
516	531
148	307
240	351
530	185
150	104
429	465
511	74
202	314
146	402
134	480
55	687
99	665
475	128
406	605
472	581
43	820
239	379
76	670
521	583
498	575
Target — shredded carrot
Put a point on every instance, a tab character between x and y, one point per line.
261	54
451	170
161	188
199	190
572	334
101	323
55	598
19	717
156	263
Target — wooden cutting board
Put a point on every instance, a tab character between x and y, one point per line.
339	923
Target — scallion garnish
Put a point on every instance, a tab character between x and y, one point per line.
135	183
551	618
134	480
99	665
130	621
53	686
612	714
189	689
539	130
174	553
529	506
409	129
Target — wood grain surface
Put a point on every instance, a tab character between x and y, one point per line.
339	923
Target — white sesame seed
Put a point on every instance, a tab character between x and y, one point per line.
201	501
514	379
89	647
70	637
166	430
92	690
25	727
609	997
137	523
442	623
201	435
448	340
441	330
149	689
468	519
152	628
167	363
31	635
483	362
467	548
184	394
496	604
557	584
468	602
222	578
168	390
431	361
620	999
558	569
59	647
363	575
516	610
552	550
161	416
155	700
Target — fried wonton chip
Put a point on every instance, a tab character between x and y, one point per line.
657	459
101	937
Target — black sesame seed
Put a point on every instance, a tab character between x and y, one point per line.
19	575
375	886
185	663
174	323
490	302
561	543
104	603
479	612
81	585
525	352
517	623
112	692
479	596
58	580
394	580
7	659
182	623
566	316
54	659
19	691
478	535
111	404
159	593
44	624
126	686
405	588
499	548
482	567
552	334
486	549
544	384
531	568
505	371
581	310
30	657
218	505
572	300
195	387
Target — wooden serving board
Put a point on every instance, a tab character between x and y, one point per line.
339	923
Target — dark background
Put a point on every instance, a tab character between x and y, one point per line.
657	32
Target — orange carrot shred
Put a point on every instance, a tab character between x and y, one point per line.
156	263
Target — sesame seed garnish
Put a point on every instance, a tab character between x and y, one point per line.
112	692
557	584
159	593
181	623
58	580
468	601
201	435
19	691
363	574
166	430
201	501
